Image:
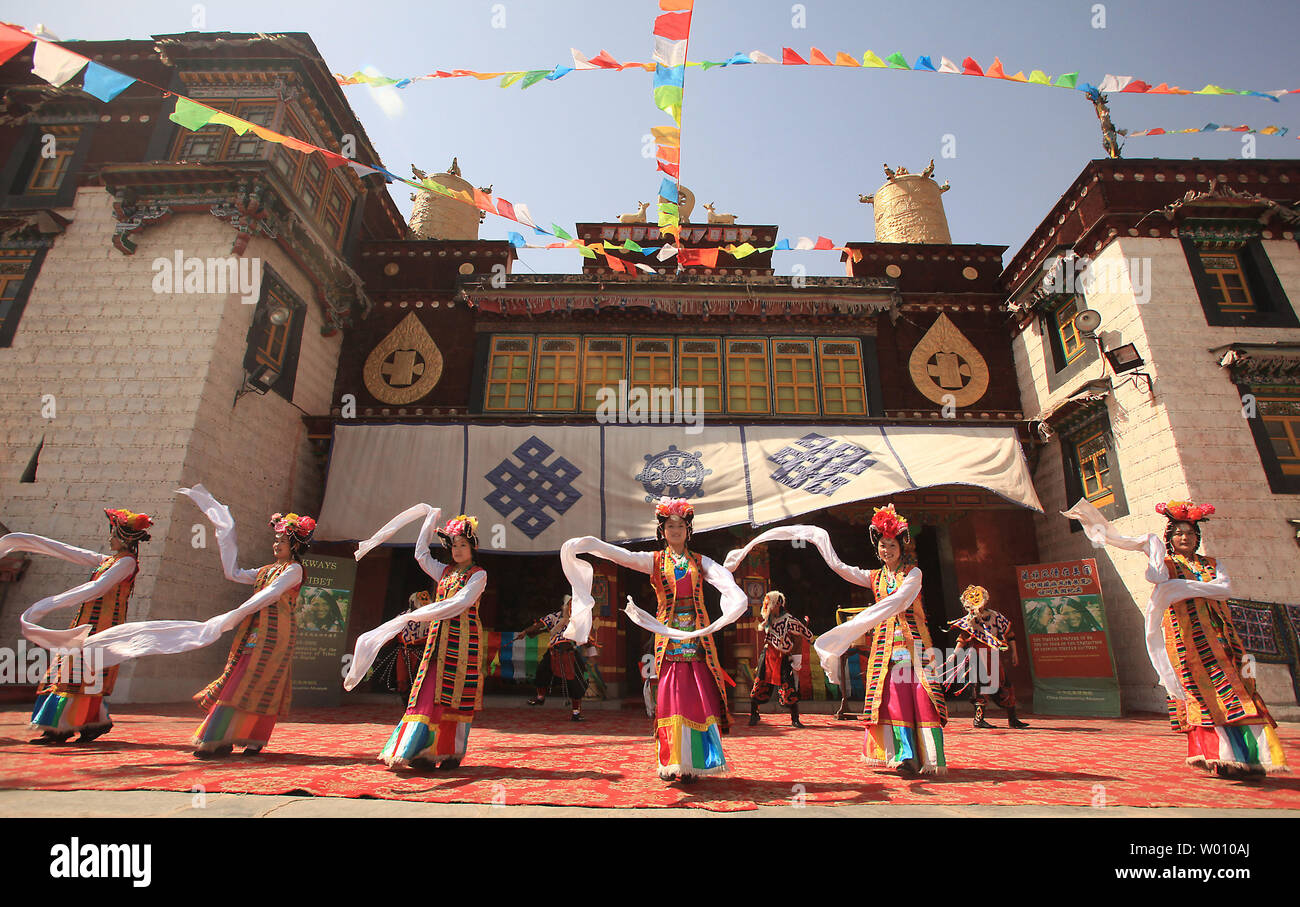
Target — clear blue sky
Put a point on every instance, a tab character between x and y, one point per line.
775	145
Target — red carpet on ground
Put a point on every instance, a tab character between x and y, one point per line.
539	757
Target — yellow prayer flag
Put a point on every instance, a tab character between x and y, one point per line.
667	135
870	59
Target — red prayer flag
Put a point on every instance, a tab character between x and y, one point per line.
505	209
790	58
705	257
818	58
670	154
823	243
995	71
12	42
333	160
672	170
616	263
970	68
1137	85
605	61
673	26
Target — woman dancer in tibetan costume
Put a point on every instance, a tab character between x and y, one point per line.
691	699
71	699
447	690
1194	647
904	705
255	688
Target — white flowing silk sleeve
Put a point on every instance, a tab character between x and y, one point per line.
832	644
223	524
579	574
39	544
171	637
370	642
74	637
428	563
819	538
734	604
1164	592
390	529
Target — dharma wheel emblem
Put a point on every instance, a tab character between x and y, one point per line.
945	363
674	473
405	365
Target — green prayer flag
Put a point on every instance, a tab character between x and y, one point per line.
533	77
585	252
190	115
1069	80
630	246
897	61
560	231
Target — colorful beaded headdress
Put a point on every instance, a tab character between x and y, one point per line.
462	525
420	599
670	507
1185	511
128	526
666	507
297	528
886	523
975	596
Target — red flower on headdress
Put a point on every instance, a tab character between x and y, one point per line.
136	522
459	526
1185	511
888	523
293	523
681	507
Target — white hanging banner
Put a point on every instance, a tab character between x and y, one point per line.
540	484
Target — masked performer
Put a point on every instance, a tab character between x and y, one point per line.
983	635
778	664
1193	645
71	699
447	691
691	700
904	706
560	662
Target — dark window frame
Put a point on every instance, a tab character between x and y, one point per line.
18	170
1078	429
9	326
284	385
1059	372
1273	308
1278	481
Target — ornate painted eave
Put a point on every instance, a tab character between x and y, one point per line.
685	295
250	198
1259	365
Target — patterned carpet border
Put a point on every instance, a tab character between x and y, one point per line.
539	757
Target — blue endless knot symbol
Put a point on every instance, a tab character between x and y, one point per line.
820	465
674	473
533	485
